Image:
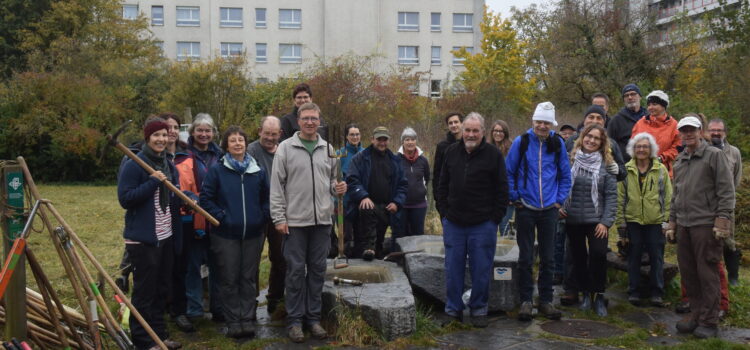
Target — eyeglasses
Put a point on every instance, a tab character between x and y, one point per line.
715	130
498	131
309	119
631	94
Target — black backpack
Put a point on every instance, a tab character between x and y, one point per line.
556	147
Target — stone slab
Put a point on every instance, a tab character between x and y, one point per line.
387	306
426	270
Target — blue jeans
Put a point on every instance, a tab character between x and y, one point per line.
478	242
504	223
560	248
412	220
545	222
650	238
196	255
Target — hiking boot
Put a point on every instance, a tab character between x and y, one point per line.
447	318
295	334
368	255
682	307
549	311
184	324
600	305
524	313
172	345
248	329
585	302
704	332
657	302
570	298
123	283
479	321
686	325
317	331
634	300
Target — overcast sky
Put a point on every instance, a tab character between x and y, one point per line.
503	6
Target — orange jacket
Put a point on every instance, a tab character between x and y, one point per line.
187	183
664	130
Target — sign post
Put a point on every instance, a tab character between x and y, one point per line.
13	221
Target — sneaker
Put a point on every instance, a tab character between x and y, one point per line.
657	302
184	324
368	255
686	325
682	307
570	298
172	345
446	318
704	332
123	283
317	331
479	321
549	311
634	300
524	313
295	334
248	329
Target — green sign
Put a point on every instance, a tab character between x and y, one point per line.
14	191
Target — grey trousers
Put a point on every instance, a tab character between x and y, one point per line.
237	262
305	250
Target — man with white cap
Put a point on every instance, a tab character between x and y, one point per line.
699	223
661	126
539	183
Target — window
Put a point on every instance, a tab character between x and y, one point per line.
230	17
408	21
290	18
435	21
462	22
157	15
435	60
188	50
459	61
261	53
129	11
262	80
160	45
290	53
435	88
188	16
408	55
414	87
231	49
260	18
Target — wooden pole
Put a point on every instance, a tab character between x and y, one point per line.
12	226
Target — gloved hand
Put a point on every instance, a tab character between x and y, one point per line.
722	227
613	168
669	231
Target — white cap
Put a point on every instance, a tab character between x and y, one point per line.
689	121
545	112
660	94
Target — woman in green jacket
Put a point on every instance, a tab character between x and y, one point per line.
643	204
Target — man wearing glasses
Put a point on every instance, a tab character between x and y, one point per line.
621	126
301	94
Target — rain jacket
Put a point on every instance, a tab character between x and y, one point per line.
664	130
648	204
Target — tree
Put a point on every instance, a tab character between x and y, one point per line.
16	17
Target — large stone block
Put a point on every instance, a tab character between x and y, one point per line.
385	299
426	270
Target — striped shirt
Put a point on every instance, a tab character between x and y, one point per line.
163	219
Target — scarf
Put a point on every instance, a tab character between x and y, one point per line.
240	167
588	165
159	162
411	158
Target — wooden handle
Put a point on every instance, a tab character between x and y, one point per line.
169	185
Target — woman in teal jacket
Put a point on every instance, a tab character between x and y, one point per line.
643	204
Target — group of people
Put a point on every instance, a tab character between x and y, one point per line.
565	189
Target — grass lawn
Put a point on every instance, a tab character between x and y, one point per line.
95	215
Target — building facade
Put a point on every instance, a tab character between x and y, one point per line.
279	37
668	13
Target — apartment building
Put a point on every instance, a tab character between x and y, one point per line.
279	37
667	13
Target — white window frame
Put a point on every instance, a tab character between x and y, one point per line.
127	11
436	60
403	55
460	24
194	18
294	23
436	27
191	54
296	49
460	61
403	22
261	23
258	57
439	92
226	20
230	49
157	21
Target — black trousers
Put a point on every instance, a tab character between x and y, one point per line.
372	226
590	265
152	283
178	299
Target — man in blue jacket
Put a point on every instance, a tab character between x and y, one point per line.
539	182
377	190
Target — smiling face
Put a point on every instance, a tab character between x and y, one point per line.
592	141
174	131
158	140
690	136
236	145
308	121
380	143
269	135
542	128
497	134
410	144
202	135
593	118
353	136
642	149
301	98
454	124
655	109
472	134
716	130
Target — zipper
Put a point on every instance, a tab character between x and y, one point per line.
312	170
541	196
244	212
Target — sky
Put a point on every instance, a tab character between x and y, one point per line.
503	6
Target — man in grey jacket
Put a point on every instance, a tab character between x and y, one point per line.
702	206
302	183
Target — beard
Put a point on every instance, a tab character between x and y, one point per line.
632	105
471	144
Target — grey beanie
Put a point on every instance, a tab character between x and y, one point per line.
408	132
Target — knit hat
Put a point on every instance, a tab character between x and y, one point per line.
545	112
631	87
689	121
567	126
152	127
408	132
595	109
658	96
381	131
